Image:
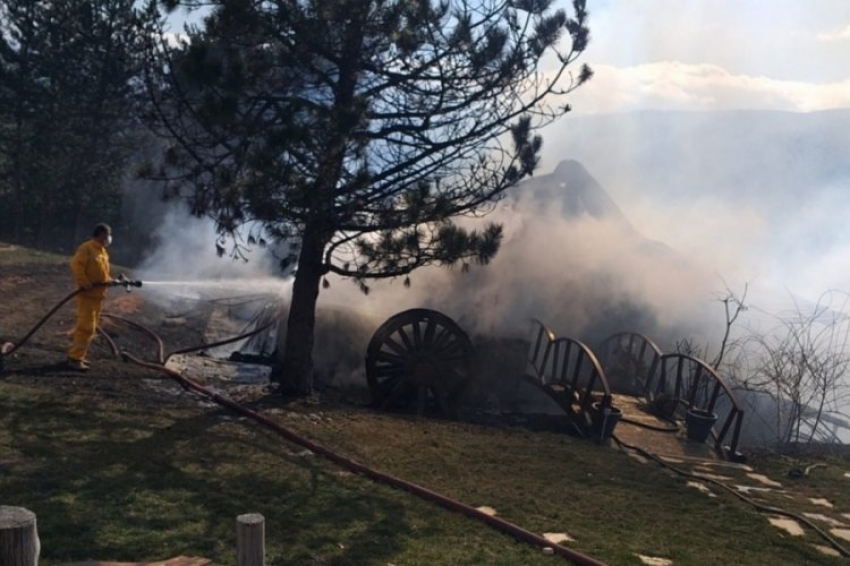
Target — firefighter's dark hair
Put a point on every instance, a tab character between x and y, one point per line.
101	229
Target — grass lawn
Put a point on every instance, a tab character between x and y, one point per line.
131	476
120	464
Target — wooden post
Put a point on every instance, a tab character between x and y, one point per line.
250	540
19	544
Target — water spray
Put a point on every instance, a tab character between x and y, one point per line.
224	284
156	283
171	293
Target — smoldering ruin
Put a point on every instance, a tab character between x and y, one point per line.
578	269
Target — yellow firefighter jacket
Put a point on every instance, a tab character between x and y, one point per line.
89	265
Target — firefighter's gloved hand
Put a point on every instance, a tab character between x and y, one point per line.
122	278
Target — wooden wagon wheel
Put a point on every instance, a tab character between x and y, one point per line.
419	359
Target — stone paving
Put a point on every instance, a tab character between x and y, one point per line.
712	475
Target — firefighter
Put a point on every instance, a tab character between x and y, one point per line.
90	268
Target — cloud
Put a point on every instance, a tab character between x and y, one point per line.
673	85
787	40
175	40
842	34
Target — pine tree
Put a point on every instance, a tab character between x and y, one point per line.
70	72
358	129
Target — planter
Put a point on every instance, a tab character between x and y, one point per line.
604	421
699	424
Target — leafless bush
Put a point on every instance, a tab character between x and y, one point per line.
733	306
801	364
791	372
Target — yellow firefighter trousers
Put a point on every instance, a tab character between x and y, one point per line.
88	314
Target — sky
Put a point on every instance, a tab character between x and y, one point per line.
712	55
717	55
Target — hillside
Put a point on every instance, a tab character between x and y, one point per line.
121	464
770	159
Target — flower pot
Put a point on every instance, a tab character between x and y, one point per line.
604	421
699	424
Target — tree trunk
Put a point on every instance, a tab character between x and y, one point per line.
298	352
298	357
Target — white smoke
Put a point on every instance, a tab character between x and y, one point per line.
184	248
585	277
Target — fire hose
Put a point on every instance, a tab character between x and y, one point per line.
496	522
499	524
9	347
381	477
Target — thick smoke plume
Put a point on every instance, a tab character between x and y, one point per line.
710	203
570	258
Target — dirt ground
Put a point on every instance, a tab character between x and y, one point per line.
30	291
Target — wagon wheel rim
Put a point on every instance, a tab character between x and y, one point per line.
419	360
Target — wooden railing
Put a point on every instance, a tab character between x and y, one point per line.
631	364
541	337
569	373
629	358
690	383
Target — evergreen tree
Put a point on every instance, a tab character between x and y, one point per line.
17	95
70	72
357	129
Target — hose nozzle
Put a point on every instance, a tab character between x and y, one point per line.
126	283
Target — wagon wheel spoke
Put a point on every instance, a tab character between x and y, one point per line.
452	357
399	348
387	371
395	394
442	397
408	343
430	327
388	357
421	397
417	337
388	380
444	339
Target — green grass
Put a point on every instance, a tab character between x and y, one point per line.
116	470
120	477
